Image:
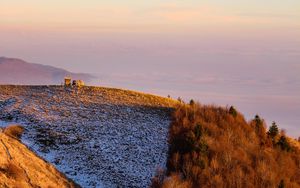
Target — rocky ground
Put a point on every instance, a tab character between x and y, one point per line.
99	137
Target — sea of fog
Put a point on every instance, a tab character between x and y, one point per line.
274	99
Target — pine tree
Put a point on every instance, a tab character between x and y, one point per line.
273	130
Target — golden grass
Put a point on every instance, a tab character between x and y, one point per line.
20	167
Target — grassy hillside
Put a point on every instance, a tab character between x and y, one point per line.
216	147
19	167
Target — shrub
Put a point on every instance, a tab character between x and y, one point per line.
284	144
192	102
260	129
232	111
258	120
158	179
14	131
13	171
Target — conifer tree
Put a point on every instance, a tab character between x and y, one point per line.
273	130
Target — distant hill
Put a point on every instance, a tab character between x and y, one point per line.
17	71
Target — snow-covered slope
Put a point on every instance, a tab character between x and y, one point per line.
99	137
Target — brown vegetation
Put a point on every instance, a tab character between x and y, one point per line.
215	147
14	131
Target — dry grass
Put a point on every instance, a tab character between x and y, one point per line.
14	131
214	147
19	167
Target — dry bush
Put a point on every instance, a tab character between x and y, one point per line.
13	171
14	131
215	147
176	181
158	180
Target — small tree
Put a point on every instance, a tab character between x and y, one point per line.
192	102
273	131
232	111
258	120
284	144
260	129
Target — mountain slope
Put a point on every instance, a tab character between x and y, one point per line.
17	71
99	137
19	167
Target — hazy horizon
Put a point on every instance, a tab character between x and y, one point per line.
241	53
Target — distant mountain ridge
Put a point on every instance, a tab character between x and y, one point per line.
17	71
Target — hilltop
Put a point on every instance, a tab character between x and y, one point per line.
96	136
20	167
17	71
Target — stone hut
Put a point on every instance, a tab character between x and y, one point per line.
77	83
68	81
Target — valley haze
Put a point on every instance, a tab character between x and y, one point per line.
273	98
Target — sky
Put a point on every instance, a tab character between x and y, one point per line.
241	53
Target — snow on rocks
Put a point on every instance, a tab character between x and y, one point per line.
99	137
